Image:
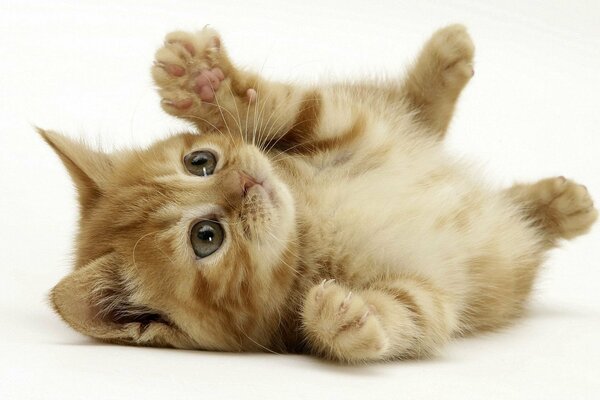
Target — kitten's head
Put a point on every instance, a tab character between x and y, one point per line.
189	243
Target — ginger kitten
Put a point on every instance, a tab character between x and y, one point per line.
323	219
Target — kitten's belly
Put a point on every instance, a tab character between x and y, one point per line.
424	214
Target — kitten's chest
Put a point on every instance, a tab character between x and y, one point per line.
367	208
336	195
340	167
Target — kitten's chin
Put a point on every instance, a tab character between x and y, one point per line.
273	230
269	193
269	209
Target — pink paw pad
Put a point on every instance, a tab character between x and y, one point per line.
207	83
171	69
175	70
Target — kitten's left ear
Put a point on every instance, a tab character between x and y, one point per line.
89	169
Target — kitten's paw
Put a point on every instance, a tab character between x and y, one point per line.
451	51
567	205
342	325
189	70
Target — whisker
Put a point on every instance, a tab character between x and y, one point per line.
138	242
237	120
260	345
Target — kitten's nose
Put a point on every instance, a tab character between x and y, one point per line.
246	181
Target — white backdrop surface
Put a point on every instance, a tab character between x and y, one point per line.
82	67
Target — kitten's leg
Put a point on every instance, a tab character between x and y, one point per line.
198	82
441	71
560	207
405	318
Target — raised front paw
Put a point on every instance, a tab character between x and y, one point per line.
450	50
341	325
190	71
187	69
568	206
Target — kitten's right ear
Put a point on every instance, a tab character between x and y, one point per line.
97	300
89	169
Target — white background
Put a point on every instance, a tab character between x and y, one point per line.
82	67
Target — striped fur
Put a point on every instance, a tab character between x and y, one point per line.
367	242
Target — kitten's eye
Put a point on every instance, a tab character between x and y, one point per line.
206	237
201	163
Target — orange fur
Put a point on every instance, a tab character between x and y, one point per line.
348	232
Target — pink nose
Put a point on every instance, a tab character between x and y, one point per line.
247	181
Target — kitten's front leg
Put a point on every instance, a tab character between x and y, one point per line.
403	318
341	325
198	82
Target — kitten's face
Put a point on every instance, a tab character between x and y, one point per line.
199	234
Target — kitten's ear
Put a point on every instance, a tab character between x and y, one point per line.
97	301
89	169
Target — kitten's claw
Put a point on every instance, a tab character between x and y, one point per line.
364	318
322	286
326	282
345	303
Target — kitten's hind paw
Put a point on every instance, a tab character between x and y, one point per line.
450	50
562	207
341	325
569	206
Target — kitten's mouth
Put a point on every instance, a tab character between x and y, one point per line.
259	206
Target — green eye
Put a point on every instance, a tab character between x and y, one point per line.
206	237
201	163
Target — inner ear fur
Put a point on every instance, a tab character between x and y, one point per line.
96	300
